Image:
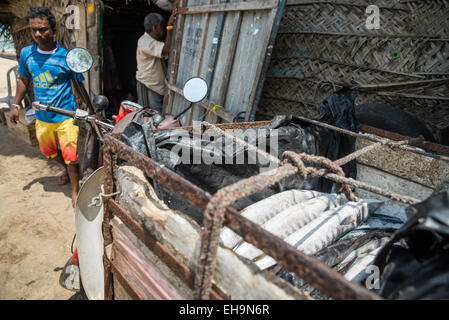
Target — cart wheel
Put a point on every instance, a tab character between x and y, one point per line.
390	118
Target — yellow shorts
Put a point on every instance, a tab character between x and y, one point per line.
64	134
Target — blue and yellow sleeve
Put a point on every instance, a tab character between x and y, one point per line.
23	68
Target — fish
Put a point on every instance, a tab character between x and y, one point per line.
371	245
263	210
292	219
357	272
337	252
326	229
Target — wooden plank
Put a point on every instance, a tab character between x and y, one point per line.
81	33
120	292
93	12
429	146
385	180
196	44
140	272
235	6
256	94
237	278
218	34
249	59
426	171
174	56
232	46
262	62
205	27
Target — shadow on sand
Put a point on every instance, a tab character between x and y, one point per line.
49	184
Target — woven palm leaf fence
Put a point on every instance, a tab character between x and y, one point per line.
322	46
21	30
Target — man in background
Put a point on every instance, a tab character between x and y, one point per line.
43	66
151	50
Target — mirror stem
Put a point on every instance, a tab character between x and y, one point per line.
185	110
82	93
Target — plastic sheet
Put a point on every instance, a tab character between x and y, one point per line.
414	262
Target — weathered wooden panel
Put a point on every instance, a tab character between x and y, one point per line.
140	272
390	182
93	13
235	277
120	292
414	167
80	37
225	43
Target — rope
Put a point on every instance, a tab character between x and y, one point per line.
98	200
303	172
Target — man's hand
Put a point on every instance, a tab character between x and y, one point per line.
22	86
168	37
14	115
172	19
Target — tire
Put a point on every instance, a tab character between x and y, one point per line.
390	118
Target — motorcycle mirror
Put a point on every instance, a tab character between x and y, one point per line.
79	60
195	89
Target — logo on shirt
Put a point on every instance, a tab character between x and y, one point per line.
45	81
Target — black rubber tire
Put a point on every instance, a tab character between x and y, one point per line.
390	118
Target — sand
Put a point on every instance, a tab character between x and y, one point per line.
37	221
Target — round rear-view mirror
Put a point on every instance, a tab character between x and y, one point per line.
195	89
79	60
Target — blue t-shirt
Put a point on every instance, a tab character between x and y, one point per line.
51	80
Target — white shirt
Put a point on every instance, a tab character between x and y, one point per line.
150	68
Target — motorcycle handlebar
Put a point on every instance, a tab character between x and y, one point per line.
69	113
64	112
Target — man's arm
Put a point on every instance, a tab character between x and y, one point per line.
21	90
170	23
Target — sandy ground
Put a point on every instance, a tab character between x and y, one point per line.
37	220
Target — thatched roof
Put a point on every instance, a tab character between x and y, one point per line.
20	27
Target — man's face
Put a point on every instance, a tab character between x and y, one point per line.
42	32
159	32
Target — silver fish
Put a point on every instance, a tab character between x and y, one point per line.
325	229
370	246
292	219
262	211
357	272
337	252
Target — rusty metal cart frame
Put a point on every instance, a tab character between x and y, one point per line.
218	212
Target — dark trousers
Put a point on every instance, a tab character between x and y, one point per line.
148	98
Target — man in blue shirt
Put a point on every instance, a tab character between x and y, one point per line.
43	64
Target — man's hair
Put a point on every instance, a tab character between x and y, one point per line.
41	12
152	19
